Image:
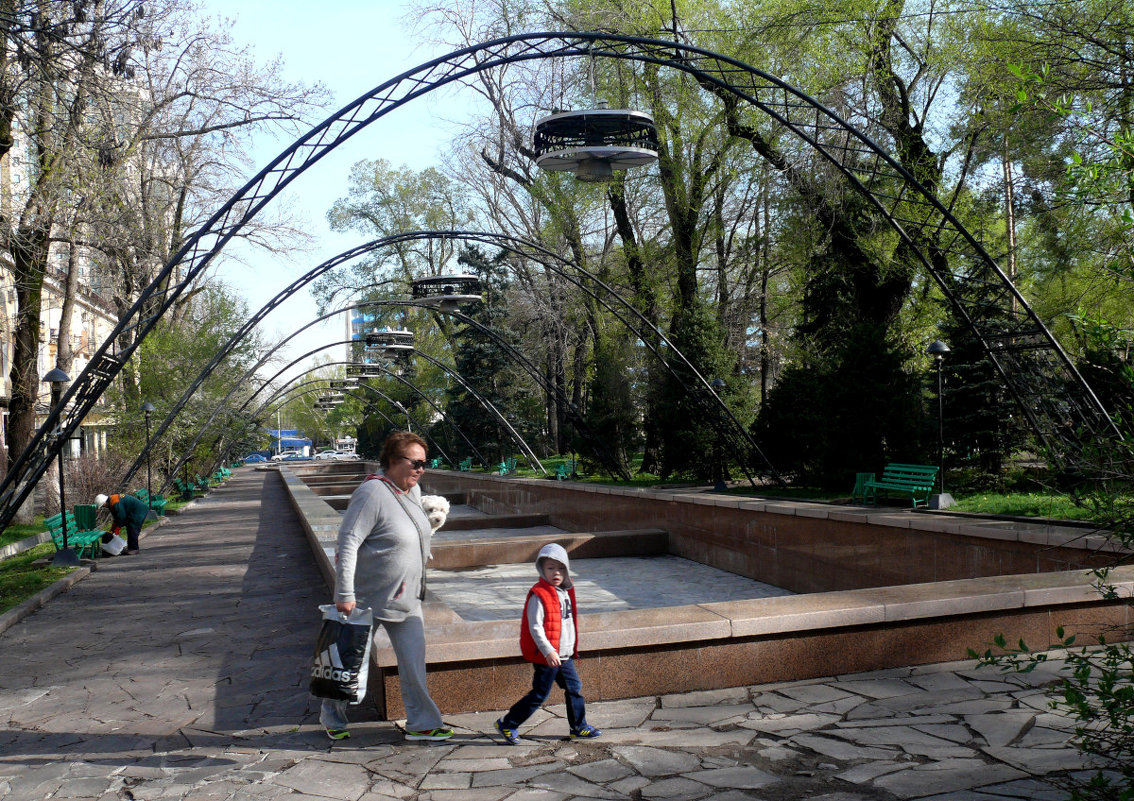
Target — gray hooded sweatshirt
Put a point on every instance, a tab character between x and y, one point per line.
535	608
382	547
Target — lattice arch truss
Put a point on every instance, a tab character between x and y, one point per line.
1060	406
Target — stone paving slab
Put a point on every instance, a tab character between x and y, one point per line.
179	674
611	584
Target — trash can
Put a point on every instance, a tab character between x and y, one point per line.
85	514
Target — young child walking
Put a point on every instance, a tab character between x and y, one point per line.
549	636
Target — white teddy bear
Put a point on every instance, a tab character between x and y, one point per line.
436	508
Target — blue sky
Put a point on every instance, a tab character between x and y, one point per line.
350	47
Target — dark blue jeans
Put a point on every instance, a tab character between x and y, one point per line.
542	679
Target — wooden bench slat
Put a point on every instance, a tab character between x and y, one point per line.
916	481
82	541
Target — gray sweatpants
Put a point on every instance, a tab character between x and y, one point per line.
408	639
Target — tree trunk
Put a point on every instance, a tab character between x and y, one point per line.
65	357
30	261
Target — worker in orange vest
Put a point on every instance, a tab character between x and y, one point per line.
128	511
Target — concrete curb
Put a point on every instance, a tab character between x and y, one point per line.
18	613
27	543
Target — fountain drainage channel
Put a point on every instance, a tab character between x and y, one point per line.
691	590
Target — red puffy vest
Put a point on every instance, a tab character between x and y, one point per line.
552	622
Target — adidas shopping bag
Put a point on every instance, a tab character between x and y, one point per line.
342	655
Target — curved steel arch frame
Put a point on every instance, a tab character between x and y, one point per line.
312	391
288	388
423	395
520	358
1062	409
483	401
522	247
517	356
409	384
414	388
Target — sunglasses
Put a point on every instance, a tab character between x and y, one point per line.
416	464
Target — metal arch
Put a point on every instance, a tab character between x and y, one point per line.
389	419
421	393
256	414
1061	407
522	247
528	453
176	408
410	418
532	459
519	357
248	375
488	405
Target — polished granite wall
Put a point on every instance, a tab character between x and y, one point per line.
803	547
878	588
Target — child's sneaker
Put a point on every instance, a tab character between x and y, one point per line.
586	733
338	734
508	734
433	735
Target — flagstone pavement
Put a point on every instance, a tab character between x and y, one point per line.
178	673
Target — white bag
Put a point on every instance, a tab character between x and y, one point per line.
115	546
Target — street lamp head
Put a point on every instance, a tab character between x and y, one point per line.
717	384
56	376
937	348
148	407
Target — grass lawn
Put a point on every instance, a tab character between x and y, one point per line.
20	579
17	533
1022	504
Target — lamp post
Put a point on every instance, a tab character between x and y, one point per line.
147	409
937	349
64	557
718	385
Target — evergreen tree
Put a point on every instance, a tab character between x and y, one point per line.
484	363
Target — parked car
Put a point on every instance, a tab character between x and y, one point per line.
279	457
337	455
295	456
253	458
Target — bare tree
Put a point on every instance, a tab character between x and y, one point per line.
131	121
54	57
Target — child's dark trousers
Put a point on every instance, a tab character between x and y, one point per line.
543	678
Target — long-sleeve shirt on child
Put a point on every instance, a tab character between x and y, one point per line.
566	631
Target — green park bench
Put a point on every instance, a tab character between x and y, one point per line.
914	481
183	488
156	502
83	541
858	494
507	467
435	463
466	464
564	470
